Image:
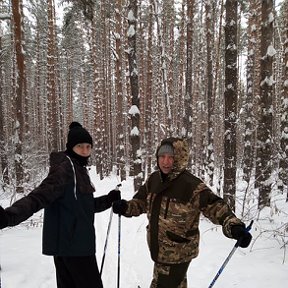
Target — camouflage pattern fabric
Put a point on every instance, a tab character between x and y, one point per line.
174	207
170	276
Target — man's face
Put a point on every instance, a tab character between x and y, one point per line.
166	162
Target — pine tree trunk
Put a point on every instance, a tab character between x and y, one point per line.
283	165
209	93
187	119
20	92
134	85
163	65
119	93
230	94
3	156
148	104
249	134
264	161
97	55
53	100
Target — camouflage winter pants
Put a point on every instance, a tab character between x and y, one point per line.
170	276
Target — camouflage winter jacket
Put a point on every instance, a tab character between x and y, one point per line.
173	209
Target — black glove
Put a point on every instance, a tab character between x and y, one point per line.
3	218
120	207
242	236
114	195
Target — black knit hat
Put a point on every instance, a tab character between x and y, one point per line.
77	134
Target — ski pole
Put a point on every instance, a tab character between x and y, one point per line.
107	235
119	239
106	241
229	257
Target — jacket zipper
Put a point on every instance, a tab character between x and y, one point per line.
166	208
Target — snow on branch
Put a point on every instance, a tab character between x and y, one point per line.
268	81
131	31
270	18
134	110
134	131
131	16
5	16
271	51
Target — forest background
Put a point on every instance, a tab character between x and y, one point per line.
133	72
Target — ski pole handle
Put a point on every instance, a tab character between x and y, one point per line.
247	229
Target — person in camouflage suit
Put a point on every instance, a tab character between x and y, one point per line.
173	199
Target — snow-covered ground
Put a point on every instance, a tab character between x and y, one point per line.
261	265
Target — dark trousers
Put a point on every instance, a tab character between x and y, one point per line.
77	272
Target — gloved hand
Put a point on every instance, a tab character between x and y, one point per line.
114	195
3	218
240	234
120	207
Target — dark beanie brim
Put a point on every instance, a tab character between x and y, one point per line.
77	134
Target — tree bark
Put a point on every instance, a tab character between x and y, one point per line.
188	99
230	94
3	155
264	162
20	82
283	165
53	100
134	85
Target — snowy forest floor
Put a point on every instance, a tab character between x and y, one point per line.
263	264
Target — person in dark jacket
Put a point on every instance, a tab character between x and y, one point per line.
173	199
66	195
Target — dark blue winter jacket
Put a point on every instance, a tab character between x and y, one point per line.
68	228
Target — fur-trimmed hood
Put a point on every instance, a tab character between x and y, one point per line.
181	155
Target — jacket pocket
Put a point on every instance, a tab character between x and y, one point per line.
176	238
192	232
